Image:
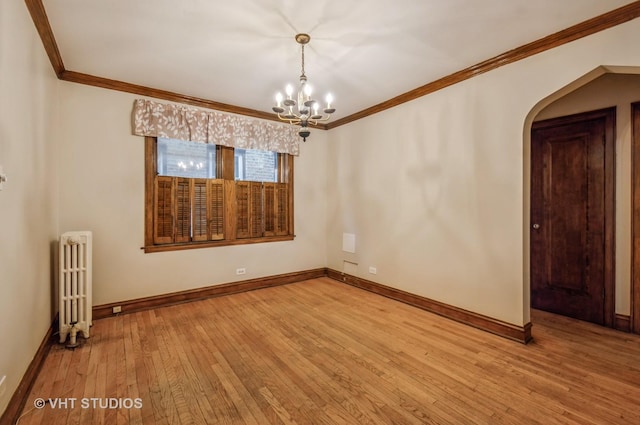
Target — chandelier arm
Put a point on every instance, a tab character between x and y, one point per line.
293	121
298	119
323	119
315	123
284	117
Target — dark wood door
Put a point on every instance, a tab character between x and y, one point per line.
572	205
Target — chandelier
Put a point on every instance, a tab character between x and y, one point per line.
302	110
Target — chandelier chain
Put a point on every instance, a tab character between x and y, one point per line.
302	62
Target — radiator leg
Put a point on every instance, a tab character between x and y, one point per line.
63	334
73	343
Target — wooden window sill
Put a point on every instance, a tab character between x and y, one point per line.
211	244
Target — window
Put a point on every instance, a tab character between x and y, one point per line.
255	165
179	158
202	195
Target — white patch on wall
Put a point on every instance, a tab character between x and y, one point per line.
349	267
349	242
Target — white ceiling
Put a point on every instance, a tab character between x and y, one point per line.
242	52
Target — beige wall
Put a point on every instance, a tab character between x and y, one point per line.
436	190
102	190
619	90
28	202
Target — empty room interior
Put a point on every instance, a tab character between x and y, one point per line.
332	212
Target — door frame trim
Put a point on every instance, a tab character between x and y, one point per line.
635	218
609	115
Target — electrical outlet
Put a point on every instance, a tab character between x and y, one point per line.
241	270
373	270
117	309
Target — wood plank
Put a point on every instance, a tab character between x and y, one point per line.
323	352
128	383
144	345
42	386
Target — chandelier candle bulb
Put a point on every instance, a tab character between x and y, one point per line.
278	109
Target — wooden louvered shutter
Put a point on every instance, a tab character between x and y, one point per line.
242	209
256	210
215	212
163	210
269	209
282	209
249	209
211	212
183	209
199	209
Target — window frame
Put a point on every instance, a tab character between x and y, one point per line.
224	171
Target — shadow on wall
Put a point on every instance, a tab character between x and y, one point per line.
54	249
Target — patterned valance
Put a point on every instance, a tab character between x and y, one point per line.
186	123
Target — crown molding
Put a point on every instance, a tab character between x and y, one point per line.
41	21
106	83
583	29
591	26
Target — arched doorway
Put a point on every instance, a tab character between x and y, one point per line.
573	215
602	88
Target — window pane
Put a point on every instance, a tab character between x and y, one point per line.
181	158
256	165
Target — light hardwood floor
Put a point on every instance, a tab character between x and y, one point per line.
323	352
